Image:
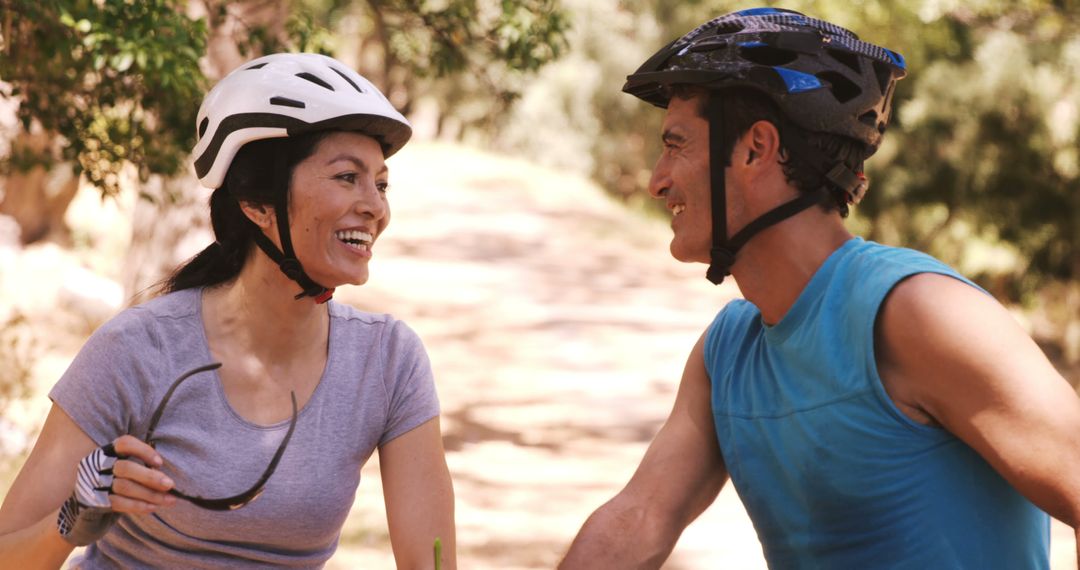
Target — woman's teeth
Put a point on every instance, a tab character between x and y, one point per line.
678	209
355	238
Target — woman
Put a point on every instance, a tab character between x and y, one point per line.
185	464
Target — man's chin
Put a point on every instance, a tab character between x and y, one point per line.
685	256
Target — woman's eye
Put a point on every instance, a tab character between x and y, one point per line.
382	186
349	177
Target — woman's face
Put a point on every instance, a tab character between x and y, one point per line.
338	208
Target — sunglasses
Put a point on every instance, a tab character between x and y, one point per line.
235	501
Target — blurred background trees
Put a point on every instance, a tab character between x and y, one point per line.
981	166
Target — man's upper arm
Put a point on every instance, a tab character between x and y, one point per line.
957	354
683	471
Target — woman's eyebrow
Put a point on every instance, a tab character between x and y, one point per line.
360	164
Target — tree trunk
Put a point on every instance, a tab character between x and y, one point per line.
38	197
169	224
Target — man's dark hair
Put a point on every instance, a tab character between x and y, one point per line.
746	106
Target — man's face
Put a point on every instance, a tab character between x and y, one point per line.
681	178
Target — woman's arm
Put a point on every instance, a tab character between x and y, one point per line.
29	537
419	497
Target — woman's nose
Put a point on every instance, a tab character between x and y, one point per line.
372	202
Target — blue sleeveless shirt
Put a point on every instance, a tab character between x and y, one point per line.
832	473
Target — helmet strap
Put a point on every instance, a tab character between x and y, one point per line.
286	257
722	254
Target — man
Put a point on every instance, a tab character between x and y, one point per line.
873	408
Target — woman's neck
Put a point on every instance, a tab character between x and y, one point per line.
259	314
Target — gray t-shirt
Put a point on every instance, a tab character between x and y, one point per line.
376	386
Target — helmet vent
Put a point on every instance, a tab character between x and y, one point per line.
256	66
842	88
203	124
347	80
730	28
847	58
315	79
286	102
767	55
884	75
869	118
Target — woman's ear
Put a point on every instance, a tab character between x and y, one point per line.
261	214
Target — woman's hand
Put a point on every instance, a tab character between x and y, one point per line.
137	486
112	479
29	515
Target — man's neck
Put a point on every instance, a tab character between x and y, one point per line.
774	267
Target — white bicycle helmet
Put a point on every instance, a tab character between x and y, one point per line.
289	94
285	95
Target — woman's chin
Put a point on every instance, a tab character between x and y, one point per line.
339	279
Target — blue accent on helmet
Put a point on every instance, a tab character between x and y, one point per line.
897	59
757	12
795	16
797	81
752	44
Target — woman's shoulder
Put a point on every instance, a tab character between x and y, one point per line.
346	312
353	322
178	304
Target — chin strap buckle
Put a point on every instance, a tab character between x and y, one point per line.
720	266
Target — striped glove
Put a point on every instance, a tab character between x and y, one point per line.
87	515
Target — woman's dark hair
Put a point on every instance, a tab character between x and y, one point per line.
747	106
260	172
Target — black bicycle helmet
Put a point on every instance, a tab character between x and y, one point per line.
820	75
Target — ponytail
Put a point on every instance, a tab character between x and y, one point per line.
222	260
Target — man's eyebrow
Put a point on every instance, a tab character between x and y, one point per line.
360	164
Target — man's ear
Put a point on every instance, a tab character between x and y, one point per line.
261	214
763	143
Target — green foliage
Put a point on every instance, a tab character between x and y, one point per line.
989	132
443	38
473	56
119	81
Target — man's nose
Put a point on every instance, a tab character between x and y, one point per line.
660	181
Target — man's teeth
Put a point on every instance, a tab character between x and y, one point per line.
355	238
678	209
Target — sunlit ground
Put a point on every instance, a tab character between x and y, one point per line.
557	326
